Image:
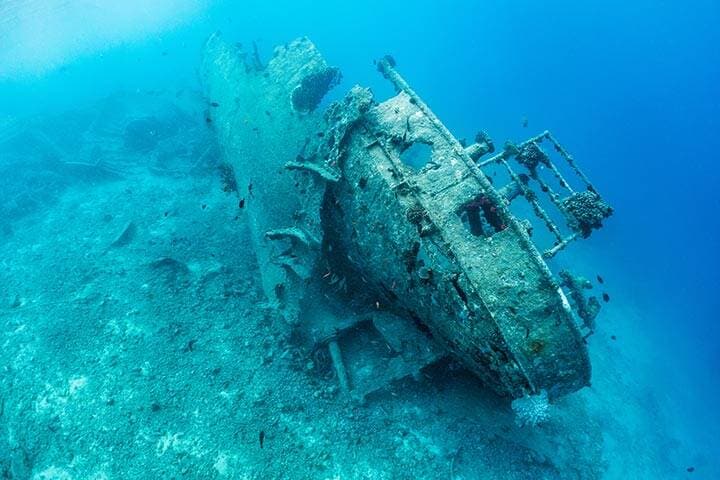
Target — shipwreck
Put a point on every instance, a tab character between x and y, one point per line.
388	243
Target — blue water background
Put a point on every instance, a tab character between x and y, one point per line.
630	87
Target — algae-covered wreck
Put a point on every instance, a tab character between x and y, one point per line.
383	240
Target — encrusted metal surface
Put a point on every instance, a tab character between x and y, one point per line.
346	230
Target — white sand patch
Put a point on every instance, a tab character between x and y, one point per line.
76	384
53	473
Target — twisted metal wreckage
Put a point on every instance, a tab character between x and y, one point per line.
388	264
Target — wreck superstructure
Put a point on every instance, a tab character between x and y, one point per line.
356	242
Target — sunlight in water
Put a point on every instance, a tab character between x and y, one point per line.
37	36
321	239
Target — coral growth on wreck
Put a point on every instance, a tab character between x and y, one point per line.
531	410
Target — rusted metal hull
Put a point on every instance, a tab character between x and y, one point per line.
435	244
491	301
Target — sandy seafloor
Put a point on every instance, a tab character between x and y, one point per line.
153	355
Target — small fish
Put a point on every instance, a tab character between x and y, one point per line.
190	346
241	203
690	469
613	337
204	206
600	279
261	437
524	122
606	297
214	104
250	187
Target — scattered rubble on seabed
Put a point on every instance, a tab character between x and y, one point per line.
137	343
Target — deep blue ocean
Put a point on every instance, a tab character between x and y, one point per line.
631	88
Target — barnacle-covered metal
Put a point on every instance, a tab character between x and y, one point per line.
382	237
